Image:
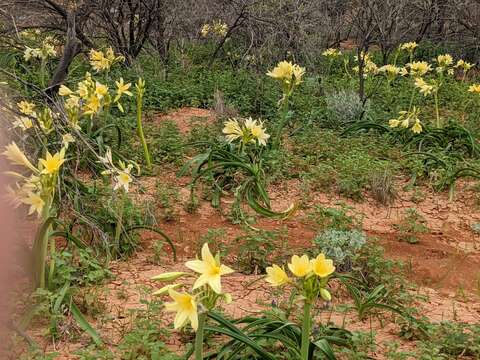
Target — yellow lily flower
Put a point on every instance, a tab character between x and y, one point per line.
300	266
417	127
122	88
409	46
51	164
232	130
475	88
393	123
283	71
186	308
36	203
101	90
276	276
322	267
210	269
26	107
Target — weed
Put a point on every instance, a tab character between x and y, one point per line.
342	217
382	187
166	197
166	143
411	225
256	249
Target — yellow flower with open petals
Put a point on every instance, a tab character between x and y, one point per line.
298	73
232	130
282	71
409	46
322	267
475	88
186	308
26	107
417	127
300	266
393	123
52	163
101	90
123	180
331	52
276	275
16	156
36	203
424	87
210	269
122	88
419	68
259	134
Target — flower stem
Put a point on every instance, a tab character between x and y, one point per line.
140	132
306	327
437	110
42	255
199	336
119	225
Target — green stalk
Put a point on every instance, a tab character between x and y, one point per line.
306	327
199	336
437	110
140	131
119	225
44	246
283	122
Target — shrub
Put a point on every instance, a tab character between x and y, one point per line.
340	245
345	107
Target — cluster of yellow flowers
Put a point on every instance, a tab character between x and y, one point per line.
206	290
311	275
425	87
443	64
332	53
474	88
217	27
250	131
44	117
370	68
45	51
409	46
91	97
287	72
418	68
408	119
122	175
103	61
391	71
36	190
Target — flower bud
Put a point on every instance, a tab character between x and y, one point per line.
169	276
164	290
325	294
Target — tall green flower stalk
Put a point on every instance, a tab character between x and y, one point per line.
140	86
290	75
40	271
310	279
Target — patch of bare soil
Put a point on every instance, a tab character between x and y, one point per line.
185	118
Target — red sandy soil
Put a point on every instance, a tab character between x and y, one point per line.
445	263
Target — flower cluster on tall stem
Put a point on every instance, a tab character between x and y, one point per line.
192	307
36	190
310	279
290	75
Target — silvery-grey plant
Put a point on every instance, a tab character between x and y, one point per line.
340	245
345	107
